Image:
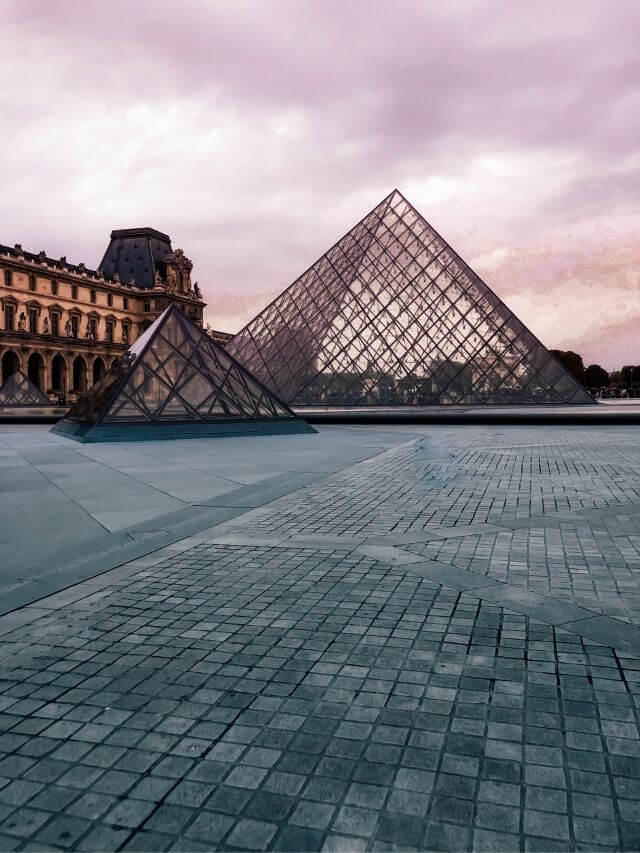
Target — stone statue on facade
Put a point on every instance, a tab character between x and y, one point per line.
178	272
67	328
45	326
22	322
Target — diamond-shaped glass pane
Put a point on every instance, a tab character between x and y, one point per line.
391	315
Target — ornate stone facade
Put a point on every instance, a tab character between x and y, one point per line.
63	324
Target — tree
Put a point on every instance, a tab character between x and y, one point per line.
630	375
572	362
596	377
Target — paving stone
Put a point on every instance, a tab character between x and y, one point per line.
252	834
103	838
209	827
289	689
63	831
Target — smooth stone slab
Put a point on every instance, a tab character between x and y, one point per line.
389	554
264	492
533	521
347	542
405	538
608	631
541	607
448	575
464	530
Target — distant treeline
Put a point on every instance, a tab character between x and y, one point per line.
595	376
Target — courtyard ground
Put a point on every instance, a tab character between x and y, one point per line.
380	638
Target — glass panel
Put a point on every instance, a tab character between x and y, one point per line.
19	390
391	313
176	373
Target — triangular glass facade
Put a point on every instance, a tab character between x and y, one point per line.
391	315
175	374
19	390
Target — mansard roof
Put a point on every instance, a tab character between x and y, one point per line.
135	255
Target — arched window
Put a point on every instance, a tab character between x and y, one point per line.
98	369
79	374
35	370
10	363
59	374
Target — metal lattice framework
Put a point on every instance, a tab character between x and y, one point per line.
19	390
391	315
175	373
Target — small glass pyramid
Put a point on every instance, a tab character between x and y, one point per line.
175	382
391	315
19	390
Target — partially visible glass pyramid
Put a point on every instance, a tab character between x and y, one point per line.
391	315
175	382
19	390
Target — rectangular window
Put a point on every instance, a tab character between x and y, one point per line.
32	281
33	321
9	317
74	291
55	323
54	287
109	332
8	278
92	295
147	305
75	325
125	303
110	299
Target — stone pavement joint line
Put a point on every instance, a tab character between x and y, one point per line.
305	688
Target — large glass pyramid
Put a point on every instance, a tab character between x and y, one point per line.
19	390
175	382
391	315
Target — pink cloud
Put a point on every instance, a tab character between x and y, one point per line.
256	133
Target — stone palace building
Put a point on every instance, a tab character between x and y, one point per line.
64	324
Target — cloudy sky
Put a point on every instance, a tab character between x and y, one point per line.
256	133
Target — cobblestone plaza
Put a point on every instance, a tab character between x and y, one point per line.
434	644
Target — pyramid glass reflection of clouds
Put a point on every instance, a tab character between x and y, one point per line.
175	382
19	390
391	315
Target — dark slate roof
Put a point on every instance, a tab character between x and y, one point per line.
135	254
